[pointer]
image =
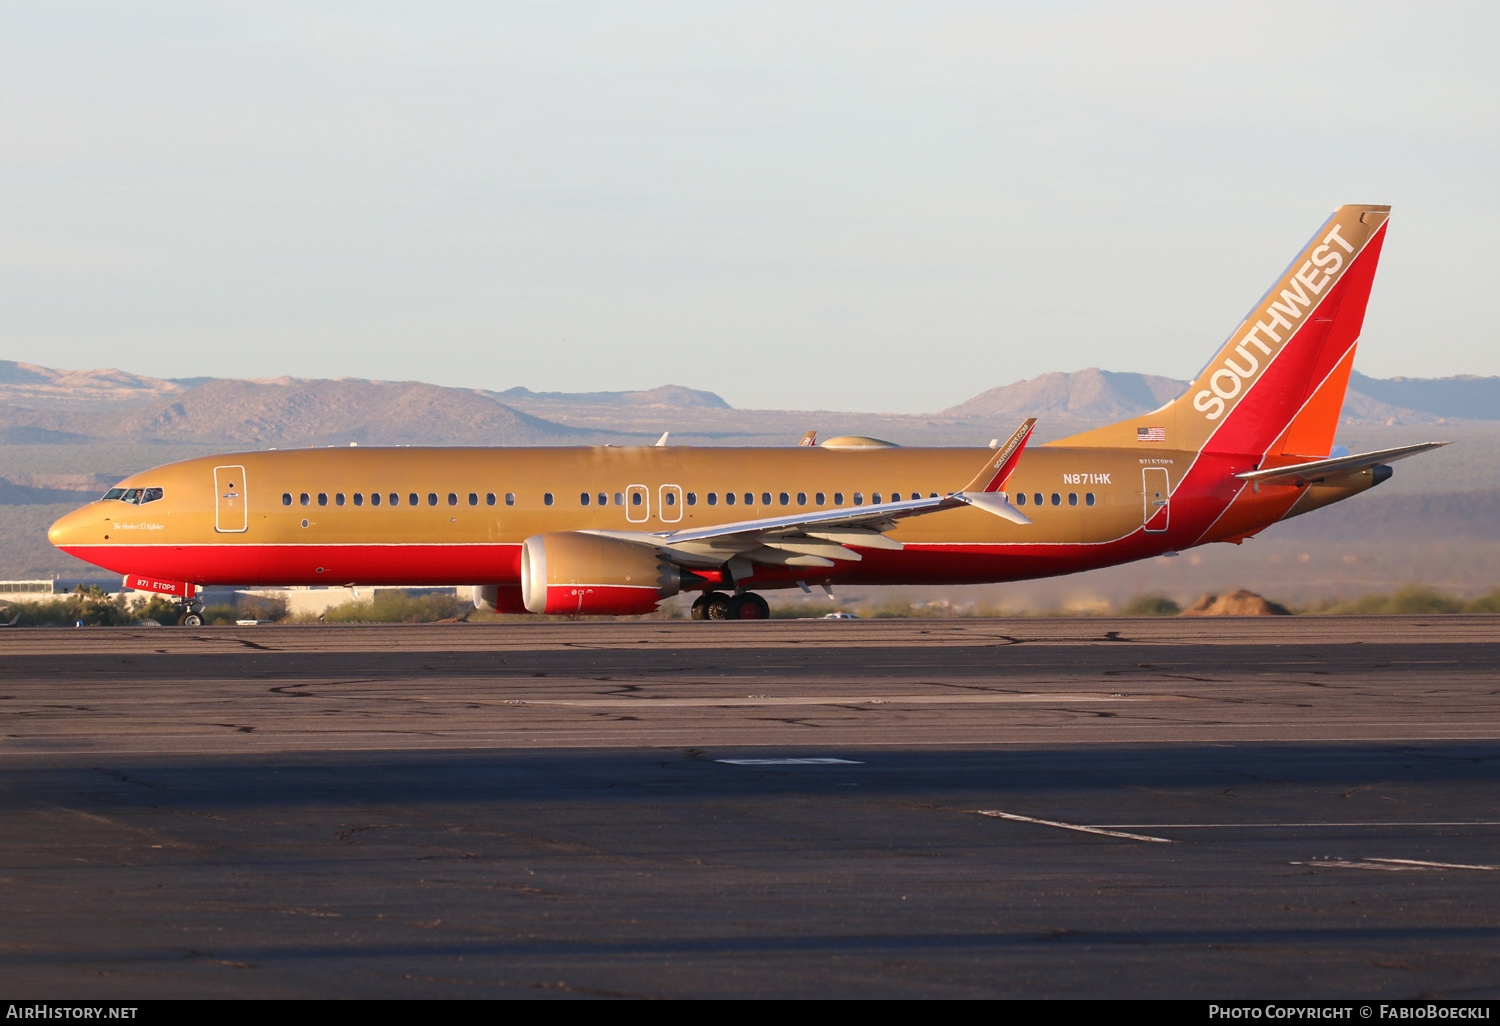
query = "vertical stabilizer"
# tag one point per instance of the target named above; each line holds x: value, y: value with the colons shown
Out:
x: 1277, y: 385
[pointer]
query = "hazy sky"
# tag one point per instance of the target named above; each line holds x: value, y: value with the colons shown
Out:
x: 877, y: 206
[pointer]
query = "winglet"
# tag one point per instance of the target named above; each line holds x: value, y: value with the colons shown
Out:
x: 811, y: 438
x: 1001, y: 462
x: 663, y: 439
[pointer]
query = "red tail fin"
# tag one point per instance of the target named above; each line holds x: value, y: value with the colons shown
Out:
x: 1278, y: 384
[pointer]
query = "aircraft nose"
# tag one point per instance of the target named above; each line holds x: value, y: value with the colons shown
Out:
x: 70, y: 527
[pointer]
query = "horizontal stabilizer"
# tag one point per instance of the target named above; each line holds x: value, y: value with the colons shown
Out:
x: 1305, y: 472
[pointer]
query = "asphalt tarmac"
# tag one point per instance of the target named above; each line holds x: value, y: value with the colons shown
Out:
x: 1279, y: 807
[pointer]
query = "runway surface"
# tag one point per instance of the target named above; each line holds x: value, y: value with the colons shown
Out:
x: 1268, y: 807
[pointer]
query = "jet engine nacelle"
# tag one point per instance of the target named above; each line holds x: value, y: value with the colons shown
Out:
x: 492, y: 598
x: 569, y: 572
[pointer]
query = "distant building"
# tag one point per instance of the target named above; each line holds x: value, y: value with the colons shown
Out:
x: 27, y: 591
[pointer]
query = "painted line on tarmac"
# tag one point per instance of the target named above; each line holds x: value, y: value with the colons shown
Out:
x: 1431, y: 865
x: 758, y: 700
x: 1390, y: 865
x: 997, y: 814
x: 1295, y: 826
x: 791, y: 762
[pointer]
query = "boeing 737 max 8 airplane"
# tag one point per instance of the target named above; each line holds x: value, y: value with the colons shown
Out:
x: 614, y: 530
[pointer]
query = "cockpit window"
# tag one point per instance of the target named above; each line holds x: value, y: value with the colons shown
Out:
x: 134, y: 496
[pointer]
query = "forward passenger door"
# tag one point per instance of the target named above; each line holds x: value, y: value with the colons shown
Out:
x: 230, y: 513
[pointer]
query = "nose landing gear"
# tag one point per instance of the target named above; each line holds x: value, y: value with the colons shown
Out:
x: 192, y: 613
x: 715, y: 605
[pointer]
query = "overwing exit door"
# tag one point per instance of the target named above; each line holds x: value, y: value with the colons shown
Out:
x: 230, y: 514
x: 1158, y: 493
x: 637, y: 503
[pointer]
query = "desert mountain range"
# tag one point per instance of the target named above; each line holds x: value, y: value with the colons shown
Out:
x: 97, y: 426
x: 42, y: 405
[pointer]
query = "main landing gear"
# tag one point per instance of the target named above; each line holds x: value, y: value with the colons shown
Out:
x: 715, y: 605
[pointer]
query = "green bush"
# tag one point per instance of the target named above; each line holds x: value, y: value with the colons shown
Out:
x: 801, y: 610
x: 156, y: 607
x: 399, y: 607
x: 220, y: 614
x: 88, y: 603
x: 1413, y: 599
x: 1150, y: 605
x: 259, y: 607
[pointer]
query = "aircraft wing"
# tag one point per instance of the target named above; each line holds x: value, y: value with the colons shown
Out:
x: 1305, y: 473
x: 819, y: 537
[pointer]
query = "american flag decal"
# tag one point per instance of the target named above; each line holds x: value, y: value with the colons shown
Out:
x: 1151, y: 434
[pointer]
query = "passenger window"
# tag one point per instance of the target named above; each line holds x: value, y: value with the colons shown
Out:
x: 489, y: 498
x: 619, y: 498
x: 859, y: 498
x: 432, y: 498
x: 838, y: 498
x: 729, y: 498
x: 338, y: 498
x: 671, y: 498
x: 395, y: 499
x: 1072, y: 498
x: 1056, y: 499
x: 374, y: 498
x: 510, y: 498
x: 802, y: 498
x: 692, y: 498
x: 583, y: 499
x: 786, y: 500
x: 359, y: 498
x: 874, y: 498
x: 635, y: 498
x: 1089, y: 499
x: 895, y: 496
x: 604, y: 498
x: 1037, y: 498
x: 820, y: 499
x: 322, y: 498
x: 413, y: 500
x: 452, y: 499
x: 546, y: 498
x: 473, y: 498
x: 304, y: 498
x: 750, y: 498
x: 1020, y: 498
x: 713, y: 498
x: 286, y: 498
x: 765, y: 498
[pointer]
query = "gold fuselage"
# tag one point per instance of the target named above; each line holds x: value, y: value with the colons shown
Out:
x: 285, y: 504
